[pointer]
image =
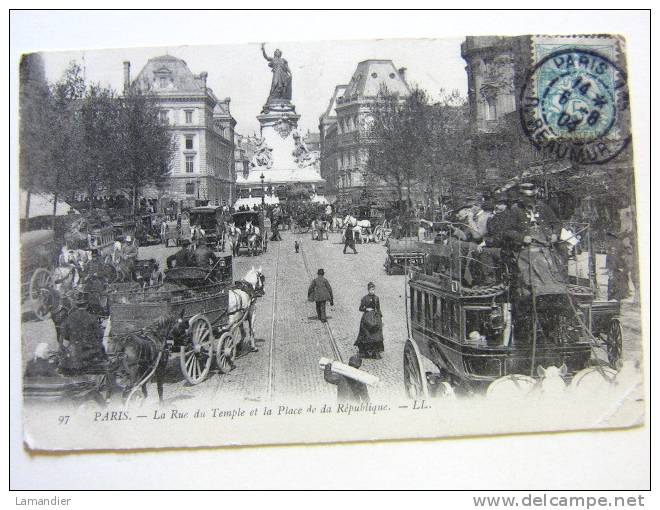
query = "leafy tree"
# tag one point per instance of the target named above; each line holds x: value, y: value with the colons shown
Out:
x: 34, y: 110
x: 413, y: 144
x: 397, y: 135
x: 99, y: 117
x: 64, y: 141
x: 449, y: 153
x: 146, y: 146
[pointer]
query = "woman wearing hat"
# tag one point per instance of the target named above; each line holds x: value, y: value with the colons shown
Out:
x: 370, y: 338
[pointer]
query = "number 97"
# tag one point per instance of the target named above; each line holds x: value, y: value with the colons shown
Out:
x: 63, y: 420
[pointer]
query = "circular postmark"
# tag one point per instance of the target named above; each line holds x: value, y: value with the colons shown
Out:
x: 575, y: 104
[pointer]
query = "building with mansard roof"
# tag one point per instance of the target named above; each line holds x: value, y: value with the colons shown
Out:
x: 328, y: 142
x: 371, y: 77
x: 203, y: 167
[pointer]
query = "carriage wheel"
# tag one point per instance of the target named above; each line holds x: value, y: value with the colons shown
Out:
x: 225, y: 352
x: 134, y: 399
x: 614, y: 343
x: 197, y: 354
x: 414, y: 378
x: 39, y: 292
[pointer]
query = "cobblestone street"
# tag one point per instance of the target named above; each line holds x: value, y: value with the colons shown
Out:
x: 290, y: 338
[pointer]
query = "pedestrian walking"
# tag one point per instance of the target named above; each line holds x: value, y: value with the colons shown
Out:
x: 349, y: 239
x: 348, y: 390
x: 296, y: 245
x: 320, y: 292
x: 370, y: 337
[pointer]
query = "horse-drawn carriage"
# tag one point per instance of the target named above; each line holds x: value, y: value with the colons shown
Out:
x: 178, y: 232
x: 402, y: 254
x: 124, y: 228
x: 201, y: 300
x: 211, y: 220
x: 148, y: 229
x: 38, y: 251
x: 247, y: 232
x: 478, y: 333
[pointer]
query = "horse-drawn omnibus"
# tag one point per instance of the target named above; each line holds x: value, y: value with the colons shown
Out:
x: 475, y: 332
x: 211, y: 220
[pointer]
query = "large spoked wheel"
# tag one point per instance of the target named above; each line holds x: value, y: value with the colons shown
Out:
x: 614, y: 343
x: 414, y: 378
x: 197, y: 354
x: 225, y: 352
x: 40, y: 284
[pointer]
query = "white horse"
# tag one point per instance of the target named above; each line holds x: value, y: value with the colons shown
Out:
x: 350, y: 220
x: 253, y: 235
x: 241, y: 309
x: 234, y: 237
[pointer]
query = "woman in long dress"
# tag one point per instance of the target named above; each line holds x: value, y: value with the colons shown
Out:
x: 370, y: 338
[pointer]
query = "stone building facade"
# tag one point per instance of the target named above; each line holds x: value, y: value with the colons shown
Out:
x: 352, y: 107
x: 328, y: 142
x: 203, y: 167
x: 497, y: 69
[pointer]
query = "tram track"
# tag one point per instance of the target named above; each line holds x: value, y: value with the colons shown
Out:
x: 331, y: 338
x: 271, y: 346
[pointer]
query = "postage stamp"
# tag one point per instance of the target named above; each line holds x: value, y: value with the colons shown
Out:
x: 575, y: 100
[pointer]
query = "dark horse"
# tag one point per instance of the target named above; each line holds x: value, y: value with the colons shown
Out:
x: 147, y: 351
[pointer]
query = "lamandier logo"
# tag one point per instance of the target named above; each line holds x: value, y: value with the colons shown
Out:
x: 574, y: 104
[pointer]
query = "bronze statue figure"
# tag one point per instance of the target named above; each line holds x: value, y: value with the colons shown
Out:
x: 280, y: 87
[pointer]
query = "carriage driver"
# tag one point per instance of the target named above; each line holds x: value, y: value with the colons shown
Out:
x: 204, y: 256
x: 82, y: 331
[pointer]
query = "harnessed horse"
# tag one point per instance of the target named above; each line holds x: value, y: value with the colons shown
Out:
x: 234, y: 236
x: 253, y: 235
x: 145, y: 353
x: 242, y: 299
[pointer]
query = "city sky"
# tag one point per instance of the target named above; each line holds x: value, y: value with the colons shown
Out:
x: 240, y: 71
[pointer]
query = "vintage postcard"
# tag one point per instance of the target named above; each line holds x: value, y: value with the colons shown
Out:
x: 327, y: 241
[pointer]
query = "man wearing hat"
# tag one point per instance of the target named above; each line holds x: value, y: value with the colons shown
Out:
x: 81, y: 329
x: 320, y: 291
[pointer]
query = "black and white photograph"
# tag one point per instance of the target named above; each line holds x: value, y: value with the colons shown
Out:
x: 325, y: 241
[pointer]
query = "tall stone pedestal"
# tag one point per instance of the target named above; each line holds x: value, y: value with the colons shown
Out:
x: 281, y: 157
x: 278, y: 122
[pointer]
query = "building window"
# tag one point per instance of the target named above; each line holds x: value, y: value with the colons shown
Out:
x: 190, y: 164
x: 492, y: 109
x: 189, y: 142
x: 188, y: 116
x: 162, y: 82
x: 190, y: 188
x: 163, y: 116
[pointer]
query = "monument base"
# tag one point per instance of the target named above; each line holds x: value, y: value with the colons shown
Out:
x: 281, y: 155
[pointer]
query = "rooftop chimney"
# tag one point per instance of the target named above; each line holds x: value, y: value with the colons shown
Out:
x: 402, y: 73
x: 203, y: 76
x: 127, y: 75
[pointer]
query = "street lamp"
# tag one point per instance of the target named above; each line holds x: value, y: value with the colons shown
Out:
x: 198, y: 186
x: 263, y: 191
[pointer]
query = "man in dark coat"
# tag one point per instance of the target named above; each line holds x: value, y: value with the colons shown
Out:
x: 348, y: 390
x: 349, y: 241
x: 320, y: 291
x: 81, y: 328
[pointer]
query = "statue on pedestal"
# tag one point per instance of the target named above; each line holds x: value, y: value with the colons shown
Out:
x: 280, y: 87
